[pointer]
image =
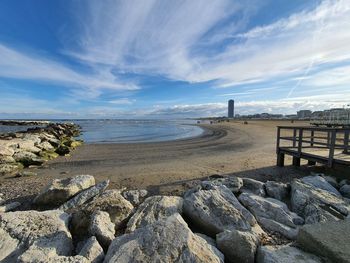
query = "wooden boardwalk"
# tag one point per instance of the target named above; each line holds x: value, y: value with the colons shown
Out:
x: 328, y: 146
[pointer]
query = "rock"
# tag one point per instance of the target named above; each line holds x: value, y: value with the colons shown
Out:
x: 135, y: 196
x: 31, y: 236
x: 112, y: 202
x: 215, y: 208
x: 28, y: 158
x: 304, y: 195
x: 63, y: 259
x: 208, y: 239
x: 233, y: 183
x: 345, y: 190
x: 253, y: 186
x: 154, y: 208
x: 344, y: 182
x: 92, y: 251
x: 238, y: 246
x: 9, y: 207
x: 330, y: 240
x: 277, y: 190
x: 102, y: 228
x: 315, y: 213
x: 85, y: 196
x: 60, y: 190
x: 25, y: 174
x: 274, y: 226
x: 321, y: 183
x: 7, y: 159
x: 284, y: 254
x: 75, y: 144
x: 48, y: 155
x: 63, y: 150
x: 6, y: 151
x: 168, y: 240
x: 9, y: 167
x: 45, y: 146
x: 270, y: 208
x: 331, y: 180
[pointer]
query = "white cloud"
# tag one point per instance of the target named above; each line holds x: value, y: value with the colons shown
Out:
x: 157, y: 37
x: 122, y: 101
x: 150, y: 36
x: 25, y: 65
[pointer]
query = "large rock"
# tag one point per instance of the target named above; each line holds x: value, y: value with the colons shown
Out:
x: 345, y: 190
x: 331, y: 180
x: 253, y: 186
x: 276, y: 227
x: 232, y: 182
x: 154, y: 208
x: 272, y: 214
x: 6, y: 151
x: 7, y: 159
x: 284, y: 254
x: 85, y: 196
x: 30, y: 236
x: 304, y: 196
x: 315, y: 213
x: 271, y: 209
x: 112, y: 202
x: 46, y: 146
x: 321, y: 183
x: 237, y: 246
x: 28, y: 158
x: 277, y: 190
x: 168, y: 240
x: 9, y: 167
x: 135, y: 196
x: 102, y: 228
x: 330, y: 240
x: 215, y: 209
x: 60, y: 190
x: 92, y: 251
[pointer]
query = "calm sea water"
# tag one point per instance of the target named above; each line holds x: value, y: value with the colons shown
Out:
x: 126, y: 131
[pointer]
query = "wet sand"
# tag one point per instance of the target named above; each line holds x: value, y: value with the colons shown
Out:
x: 224, y: 149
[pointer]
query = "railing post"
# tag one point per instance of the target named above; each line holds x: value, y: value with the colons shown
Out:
x: 328, y: 138
x: 346, y: 142
x: 300, y: 143
x: 312, y: 138
x: 278, y: 139
x: 294, y: 137
x: 331, y: 149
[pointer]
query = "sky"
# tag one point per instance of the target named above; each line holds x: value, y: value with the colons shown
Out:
x: 179, y: 58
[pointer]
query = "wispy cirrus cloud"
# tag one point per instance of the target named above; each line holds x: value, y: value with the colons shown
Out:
x: 30, y: 66
x: 148, y: 41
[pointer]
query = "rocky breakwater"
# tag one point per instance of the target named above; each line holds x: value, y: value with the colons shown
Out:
x: 36, y: 145
x: 218, y: 220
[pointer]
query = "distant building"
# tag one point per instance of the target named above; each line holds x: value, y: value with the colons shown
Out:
x: 231, y: 109
x: 303, y: 114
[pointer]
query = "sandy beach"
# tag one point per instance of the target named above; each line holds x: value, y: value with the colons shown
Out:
x: 234, y: 148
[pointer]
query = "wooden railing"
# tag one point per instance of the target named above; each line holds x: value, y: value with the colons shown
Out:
x: 308, y: 143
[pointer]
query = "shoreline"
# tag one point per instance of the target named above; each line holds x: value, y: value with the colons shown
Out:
x: 167, y: 167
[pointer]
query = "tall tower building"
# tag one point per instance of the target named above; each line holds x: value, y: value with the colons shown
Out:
x: 231, y: 109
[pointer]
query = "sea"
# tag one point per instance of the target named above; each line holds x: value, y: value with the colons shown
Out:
x: 128, y: 131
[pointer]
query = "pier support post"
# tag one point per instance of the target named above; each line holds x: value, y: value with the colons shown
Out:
x: 346, y: 142
x: 296, y: 161
x: 280, y: 159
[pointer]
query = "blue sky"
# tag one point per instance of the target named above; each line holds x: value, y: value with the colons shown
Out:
x: 155, y: 58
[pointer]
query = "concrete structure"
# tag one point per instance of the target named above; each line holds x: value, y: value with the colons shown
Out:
x: 231, y: 109
x: 302, y: 114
